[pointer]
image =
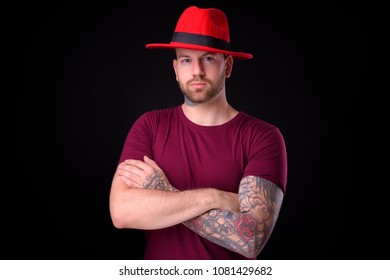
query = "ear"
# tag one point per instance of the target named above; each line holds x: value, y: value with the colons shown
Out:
x: 174, y: 64
x: 228, y: 66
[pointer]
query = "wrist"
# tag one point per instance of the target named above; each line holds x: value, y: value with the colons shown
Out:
x: 212, y: 198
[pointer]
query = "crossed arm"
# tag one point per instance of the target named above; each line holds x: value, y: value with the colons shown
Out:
x: 142, y: 197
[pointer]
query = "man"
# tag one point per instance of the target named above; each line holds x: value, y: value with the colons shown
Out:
x: 204, y: 180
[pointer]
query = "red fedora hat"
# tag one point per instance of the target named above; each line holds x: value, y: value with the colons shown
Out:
x: 202, y: 29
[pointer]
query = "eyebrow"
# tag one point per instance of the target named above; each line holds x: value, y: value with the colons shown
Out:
x: 205, y: 54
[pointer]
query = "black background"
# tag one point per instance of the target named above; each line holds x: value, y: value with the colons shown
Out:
x: 87, y: 76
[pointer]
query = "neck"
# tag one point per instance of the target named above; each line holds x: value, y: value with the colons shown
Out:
x: 216, y: 112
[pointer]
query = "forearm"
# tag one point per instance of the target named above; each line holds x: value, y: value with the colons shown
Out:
x: 236, y: 231
x: 154, y: 209
x: 245, y: 231
x: 231, y: 230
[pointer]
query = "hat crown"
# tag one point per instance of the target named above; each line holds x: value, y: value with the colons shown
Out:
x: 200, y: 29
x: 209, y: 22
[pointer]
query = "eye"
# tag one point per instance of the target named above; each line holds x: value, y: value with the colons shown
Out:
x: 185, y: 60
x: 208, y: 59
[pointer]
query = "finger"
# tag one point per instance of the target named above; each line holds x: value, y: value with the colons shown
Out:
x: 133, y: 173
x: 130, y: 174
x: 151, y: 162
x: 130, y: 183
x: 122, y: 168
x: 139, y: 164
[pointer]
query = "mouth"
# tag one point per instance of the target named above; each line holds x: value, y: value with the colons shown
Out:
x: 198, y: 85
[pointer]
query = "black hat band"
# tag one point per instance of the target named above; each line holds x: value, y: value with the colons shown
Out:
x: 203, y: 40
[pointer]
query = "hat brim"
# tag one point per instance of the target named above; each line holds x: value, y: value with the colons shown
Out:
x: 174, y: 45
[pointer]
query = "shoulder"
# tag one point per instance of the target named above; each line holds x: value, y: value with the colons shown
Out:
x: 258, y: 127
x: 155, y: 119
x: 158, y: 114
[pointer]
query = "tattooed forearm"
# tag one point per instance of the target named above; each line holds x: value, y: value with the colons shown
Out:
x: 244, y: 232
x: 220, y: 227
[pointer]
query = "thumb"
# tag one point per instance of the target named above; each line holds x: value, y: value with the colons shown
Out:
x: 151, y: 162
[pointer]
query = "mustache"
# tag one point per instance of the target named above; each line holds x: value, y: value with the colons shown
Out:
x: 198, y: 80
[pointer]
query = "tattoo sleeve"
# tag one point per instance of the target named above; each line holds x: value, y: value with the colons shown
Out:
x: 244, y: 232
x: 247, y: 231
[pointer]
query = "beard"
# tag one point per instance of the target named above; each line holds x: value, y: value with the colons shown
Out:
x: 199, y: 96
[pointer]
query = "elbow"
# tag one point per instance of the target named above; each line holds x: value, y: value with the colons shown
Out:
x: 254, y: 247
x: 122, y: 213
x: 117, y: 223
x: 252, y: 252
x: 119, y: 219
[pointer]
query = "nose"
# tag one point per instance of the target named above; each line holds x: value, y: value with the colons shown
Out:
x: 198, y: 68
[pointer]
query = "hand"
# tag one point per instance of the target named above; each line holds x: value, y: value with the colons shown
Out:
x: 143, y: 174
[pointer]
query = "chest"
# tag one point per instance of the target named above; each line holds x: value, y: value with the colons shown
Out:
x: 193, y: 159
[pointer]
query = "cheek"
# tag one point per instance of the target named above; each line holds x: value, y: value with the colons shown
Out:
x: 183, y: 77
x: 175, y: 69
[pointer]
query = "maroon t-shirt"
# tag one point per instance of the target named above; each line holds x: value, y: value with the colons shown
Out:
x: 194, y: 156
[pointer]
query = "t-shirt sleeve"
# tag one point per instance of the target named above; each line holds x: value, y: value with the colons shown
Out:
x: 139, y: 139
x: 267, y: 157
